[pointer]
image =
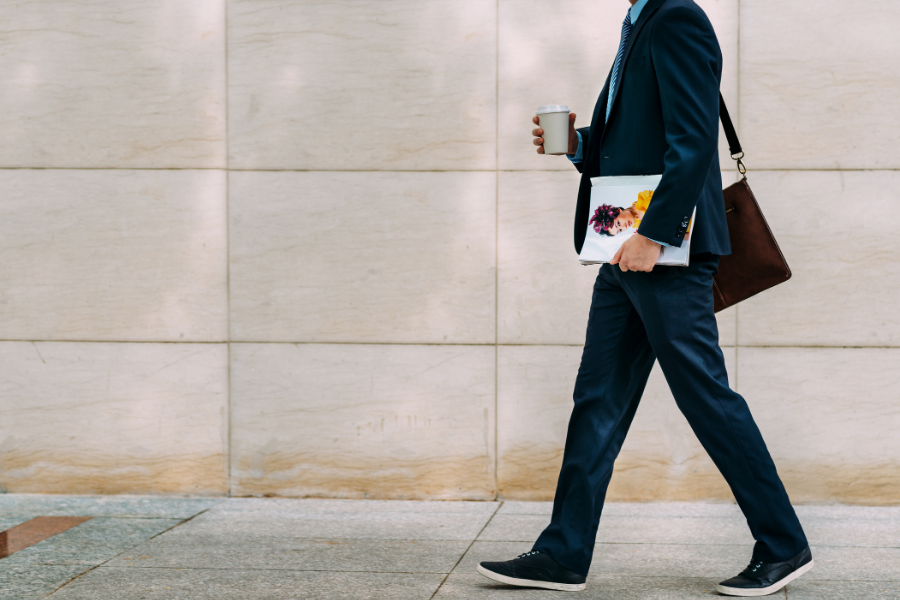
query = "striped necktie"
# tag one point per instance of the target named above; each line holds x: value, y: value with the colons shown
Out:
x: 626, y: 30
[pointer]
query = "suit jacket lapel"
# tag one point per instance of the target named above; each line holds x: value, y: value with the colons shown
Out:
x: 635, y: 32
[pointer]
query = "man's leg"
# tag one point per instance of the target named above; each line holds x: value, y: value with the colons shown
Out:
x: 681, y: 328
x: 615, y: 365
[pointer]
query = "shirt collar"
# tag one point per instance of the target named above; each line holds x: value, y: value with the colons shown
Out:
x: 636, y: 10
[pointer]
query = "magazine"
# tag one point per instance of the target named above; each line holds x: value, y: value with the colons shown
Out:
x: 617, y: 206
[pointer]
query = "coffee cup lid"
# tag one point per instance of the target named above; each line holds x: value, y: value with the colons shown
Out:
x: 552, y: 108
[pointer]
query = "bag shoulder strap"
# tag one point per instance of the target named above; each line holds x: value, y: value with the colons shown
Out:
x: 734, y: 144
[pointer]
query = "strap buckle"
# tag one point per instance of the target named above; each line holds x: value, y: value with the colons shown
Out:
x: 740, y: 164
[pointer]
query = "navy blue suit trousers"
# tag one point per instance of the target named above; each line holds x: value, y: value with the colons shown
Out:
x: 635, y: 319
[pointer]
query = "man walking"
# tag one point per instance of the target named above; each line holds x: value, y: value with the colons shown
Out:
x: 658, y: 113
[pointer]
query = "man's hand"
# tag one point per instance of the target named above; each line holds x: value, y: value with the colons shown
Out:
x: 637, y: 254
x: 539, y: 141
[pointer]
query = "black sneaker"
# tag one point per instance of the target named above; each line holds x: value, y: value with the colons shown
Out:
x: 762, y: 579
x: 533, y: 569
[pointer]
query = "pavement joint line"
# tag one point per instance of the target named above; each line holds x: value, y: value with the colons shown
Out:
x: 164, y: 518
x: 381, y: 170
x: 593, y: 575
x: 464, y: 541
x: 469, y: 547
x: 274, y: 569
x: 813, y: 546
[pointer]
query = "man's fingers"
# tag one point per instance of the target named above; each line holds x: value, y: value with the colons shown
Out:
x: 538, y: 141
x: 540, y: 149
x: 537, y: 132
x: 535, y: 120
x: 617, y: 257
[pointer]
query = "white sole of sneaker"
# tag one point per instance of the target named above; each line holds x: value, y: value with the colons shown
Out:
x: 547, y: 585
x: 730, y: 591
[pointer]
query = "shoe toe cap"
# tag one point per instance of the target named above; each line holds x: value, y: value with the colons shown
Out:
x: 739, y: 582
x: 495, y: 567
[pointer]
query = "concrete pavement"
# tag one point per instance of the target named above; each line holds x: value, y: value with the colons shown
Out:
x: 154, y: 548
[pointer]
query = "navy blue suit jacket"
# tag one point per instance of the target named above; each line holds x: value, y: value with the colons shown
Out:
x: 664, y: 119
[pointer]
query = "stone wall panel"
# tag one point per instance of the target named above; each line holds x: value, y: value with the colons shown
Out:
x: 363, y: 421
x: 101, y: 418
x: 112, y: 84
x: 830, y: 418
x: 407, y: 84
x: 113, y: 255
x: 362, y: 257
x: 836, y: 230
x: 816, y: 95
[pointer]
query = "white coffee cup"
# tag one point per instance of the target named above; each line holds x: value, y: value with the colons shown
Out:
x: 554, y: 120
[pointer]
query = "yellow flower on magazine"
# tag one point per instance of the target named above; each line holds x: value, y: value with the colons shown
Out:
x: 641, y: 205
x: 643, y: 200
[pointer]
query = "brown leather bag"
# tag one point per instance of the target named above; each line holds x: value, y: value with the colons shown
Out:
x: 756, y: 262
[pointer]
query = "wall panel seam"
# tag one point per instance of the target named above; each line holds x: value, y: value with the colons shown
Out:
x: 497, y: 170
x: 496, y: 244
x: 470, y: 344
x: 228, y: 403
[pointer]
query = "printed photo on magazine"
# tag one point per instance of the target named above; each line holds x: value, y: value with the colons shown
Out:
x: 617, y: 206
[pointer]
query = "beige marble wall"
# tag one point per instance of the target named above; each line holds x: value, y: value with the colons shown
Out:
x: 113, y: 255
x: 821, y: 95
x: 362, y: 257
x: 112, y: 83
x: 365, y: 85
x: 282, y: 247
x: 363, y: 421
x: 108, y: 418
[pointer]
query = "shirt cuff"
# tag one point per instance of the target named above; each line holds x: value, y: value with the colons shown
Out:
x: 661, y: 243
x: 579, y: 154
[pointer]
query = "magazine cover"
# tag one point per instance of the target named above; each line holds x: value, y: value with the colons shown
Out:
x: 617, y: 206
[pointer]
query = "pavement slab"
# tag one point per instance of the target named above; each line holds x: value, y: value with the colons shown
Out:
x: 27, y: 582
x: 465, y: 587
x: 871, y: 533
x: 634, y: 509
x: 114, y: 583
x: 10, y: 522
x: 855, y: 564
x: 118, y: 523
x: 227, y: 551
x: 401, y: 521
x: 91, y: 543
x: 630, y: 529
x: 803, y: 589
x: 292, y: 507
x: 51, y: 505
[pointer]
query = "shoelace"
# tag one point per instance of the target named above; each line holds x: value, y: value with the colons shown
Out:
x: 527, y: 554
x: 753, y: 567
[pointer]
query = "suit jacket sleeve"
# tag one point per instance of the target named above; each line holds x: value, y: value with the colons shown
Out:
x: 688, y: 65
x: 585, y: 132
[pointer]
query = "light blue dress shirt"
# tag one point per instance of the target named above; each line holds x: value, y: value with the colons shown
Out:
x: 578, y: 157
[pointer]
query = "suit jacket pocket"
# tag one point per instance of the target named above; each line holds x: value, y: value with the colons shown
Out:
x: 637, y: 61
